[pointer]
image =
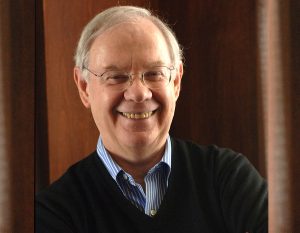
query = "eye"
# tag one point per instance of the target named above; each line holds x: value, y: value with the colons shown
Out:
x: 154, y: 75
x: 113, y: 78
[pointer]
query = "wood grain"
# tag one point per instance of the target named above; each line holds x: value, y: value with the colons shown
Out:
x: 17, y: 52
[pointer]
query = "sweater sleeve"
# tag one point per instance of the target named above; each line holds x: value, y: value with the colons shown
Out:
x: 243, y: 194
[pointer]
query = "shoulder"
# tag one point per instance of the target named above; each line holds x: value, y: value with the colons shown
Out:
x: 61, y: 205
x: 77, y: 176
x: 207, y: 155
x: 241, y: 192
x: 217, y: 164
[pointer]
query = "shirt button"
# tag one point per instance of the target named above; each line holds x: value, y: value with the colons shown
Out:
x: 152, y: 212
x: 125, y: 177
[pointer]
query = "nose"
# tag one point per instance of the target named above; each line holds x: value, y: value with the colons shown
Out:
x: 137, y: 91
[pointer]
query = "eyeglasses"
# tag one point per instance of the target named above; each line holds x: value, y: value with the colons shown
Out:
x: 154, y: 78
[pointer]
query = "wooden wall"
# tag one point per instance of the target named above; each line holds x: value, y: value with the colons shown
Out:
x: 17, y: 70
x: 219, y: 101
x: 279, y: 23
x: 294, y: 85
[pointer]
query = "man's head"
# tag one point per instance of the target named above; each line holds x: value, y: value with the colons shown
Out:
x: 117, y: 15
x: 128, y: 71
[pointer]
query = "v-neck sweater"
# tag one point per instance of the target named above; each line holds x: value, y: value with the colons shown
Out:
x: 210, y: 189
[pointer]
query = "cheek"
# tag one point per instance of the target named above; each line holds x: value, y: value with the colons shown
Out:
x: 172, y: 104
x: 97, y: 104
x: 168, y: 101
x: 103, y: 102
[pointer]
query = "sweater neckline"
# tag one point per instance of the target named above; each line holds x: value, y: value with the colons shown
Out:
x: 126, y: 205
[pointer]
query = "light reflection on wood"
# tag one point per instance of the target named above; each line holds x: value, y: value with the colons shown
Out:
x: 274, y: 53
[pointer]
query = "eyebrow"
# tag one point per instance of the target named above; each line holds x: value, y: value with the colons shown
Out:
x: 111, y: 67
x: 156, y: 63
x: 148, y: 65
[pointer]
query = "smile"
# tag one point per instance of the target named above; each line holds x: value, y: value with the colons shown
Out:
x: 143, y: 115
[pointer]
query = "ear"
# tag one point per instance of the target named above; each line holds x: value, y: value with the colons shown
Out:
x: 177, y: 80
x: 82, y: 86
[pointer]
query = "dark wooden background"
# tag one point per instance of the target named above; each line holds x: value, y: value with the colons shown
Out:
x: 17, y: 64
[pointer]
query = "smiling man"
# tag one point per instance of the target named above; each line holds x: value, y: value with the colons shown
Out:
x: 128, y: 73
x: 131, y: 86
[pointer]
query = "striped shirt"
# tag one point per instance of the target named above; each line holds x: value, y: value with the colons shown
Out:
x: 156, y: 180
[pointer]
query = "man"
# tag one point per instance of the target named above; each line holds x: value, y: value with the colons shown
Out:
x: 128, y: 72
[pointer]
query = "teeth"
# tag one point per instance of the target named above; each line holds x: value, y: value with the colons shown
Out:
x: 143, y: 115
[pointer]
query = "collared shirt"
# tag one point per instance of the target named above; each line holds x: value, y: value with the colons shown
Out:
x: 156, y: 180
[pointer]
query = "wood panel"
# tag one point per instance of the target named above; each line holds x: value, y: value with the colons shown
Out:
x: 5, y: 175
x: 41, y: 129
x: 17, y: 52
x: 275, y: 83
x: 218, y: 103
x: 280, y: 55
x: 22, y: 113
x: 294, y: 9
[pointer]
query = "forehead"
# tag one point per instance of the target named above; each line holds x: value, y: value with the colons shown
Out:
x: 129, y: 43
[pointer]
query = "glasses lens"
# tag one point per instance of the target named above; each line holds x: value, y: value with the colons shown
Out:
x: 115, y: 79
x: 157, y: 77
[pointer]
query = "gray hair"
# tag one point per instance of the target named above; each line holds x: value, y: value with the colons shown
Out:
x: 114, y: 16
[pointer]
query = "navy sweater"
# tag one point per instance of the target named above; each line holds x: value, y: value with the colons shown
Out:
x: 211, y: 190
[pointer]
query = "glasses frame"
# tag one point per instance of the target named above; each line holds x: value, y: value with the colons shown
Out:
x: 130, y: 75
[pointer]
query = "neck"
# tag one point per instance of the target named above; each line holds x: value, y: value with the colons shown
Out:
x: 138, y: 166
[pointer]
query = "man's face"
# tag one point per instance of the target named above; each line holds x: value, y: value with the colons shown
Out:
x: 134, y: 48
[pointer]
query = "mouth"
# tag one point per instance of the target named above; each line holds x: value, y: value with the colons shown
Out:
x: 141, y: 115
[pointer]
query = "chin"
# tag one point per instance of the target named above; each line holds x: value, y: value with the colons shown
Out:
x: 138, y: 139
